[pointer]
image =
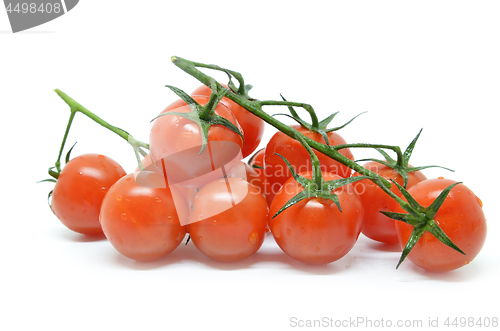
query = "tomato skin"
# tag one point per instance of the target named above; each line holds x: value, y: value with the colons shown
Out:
x: 314, y: 231
x: 461, y: 217
x: 178, y: 140
x: 376, y: 225
x: 80, y: 189
x: 276, y: 170
x: 236, y: 233
x: 141, y: 223
x: 258, y: 177
x: 253, y: 126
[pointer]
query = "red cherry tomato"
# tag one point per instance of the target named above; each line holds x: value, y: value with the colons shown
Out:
x: 376, y: 225
x: 461, y: 217
x: 178, y: 141
x: 80, y: 189
x: 276, y: 170
x: 313, y: 230
x: 253, y: 126
x: 142, y: 223
x: 228, y: 226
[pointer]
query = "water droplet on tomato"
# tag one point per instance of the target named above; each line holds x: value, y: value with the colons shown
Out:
x: 289, y: 232
x: 101, y: 156
x: 187, y: 134
x: 479, y: 201
x: 254, y: 238
x: 157, y: 199
x: 124, y: 216
x: 119, y: 198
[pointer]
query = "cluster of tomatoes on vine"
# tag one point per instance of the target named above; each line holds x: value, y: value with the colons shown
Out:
x: 191, y: 179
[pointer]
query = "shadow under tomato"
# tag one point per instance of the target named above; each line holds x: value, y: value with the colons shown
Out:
x: 464, y: 274
x: 384, y: 247
x: 181, y: 254
x: 82, y: 238
x: 269, y: 255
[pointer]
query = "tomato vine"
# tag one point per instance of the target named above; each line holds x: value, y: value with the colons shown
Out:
x: 420, y: 218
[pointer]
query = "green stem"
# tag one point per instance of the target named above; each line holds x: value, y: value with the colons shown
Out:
x: 70, y: 121
x: 255, y: 107
x: 395, y: 149
x: 75, y: 107
x: 307, y: 107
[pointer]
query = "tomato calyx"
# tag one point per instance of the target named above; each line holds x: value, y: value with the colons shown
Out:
x: 401, y: 165
x: 204, y: 116
x: 316, y: 187
x: 317, y: 126
x: 422, y: 220
x: 243, y: 88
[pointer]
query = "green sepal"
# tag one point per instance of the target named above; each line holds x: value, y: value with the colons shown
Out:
x: 423, y: 220
x: 297, y: 198
x: 299, y: 179
x: 193, y: 116
x: 324, y: 123
x: 343, y: 126
x: 438, y: 202
x: 336, y: 183
x: 442, y: 236
x: 207, y: 111
x: 67, y: 158
x: 311, y: 189
x: 219, y: 120
x: 51, y: 180
x: 413, y: 203
x: 296, y: 119
x: 417, y: 232
x: 406, y: 218
x: 52, y: 173
x: 321, y: 127
x: 195, y: 106
x: 402, y: 166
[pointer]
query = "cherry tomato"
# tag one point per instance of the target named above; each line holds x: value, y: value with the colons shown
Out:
x: 376, y: 225
x: 228, y: 225
x: 461, y: 217
x: 80, y: 189
x: 143, y: 223
x: 178, y: 141
x: 276, y: 170
x: 313, y: 230
x: 253, y: 126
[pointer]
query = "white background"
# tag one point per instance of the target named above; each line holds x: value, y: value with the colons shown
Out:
x: 411, y: 65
